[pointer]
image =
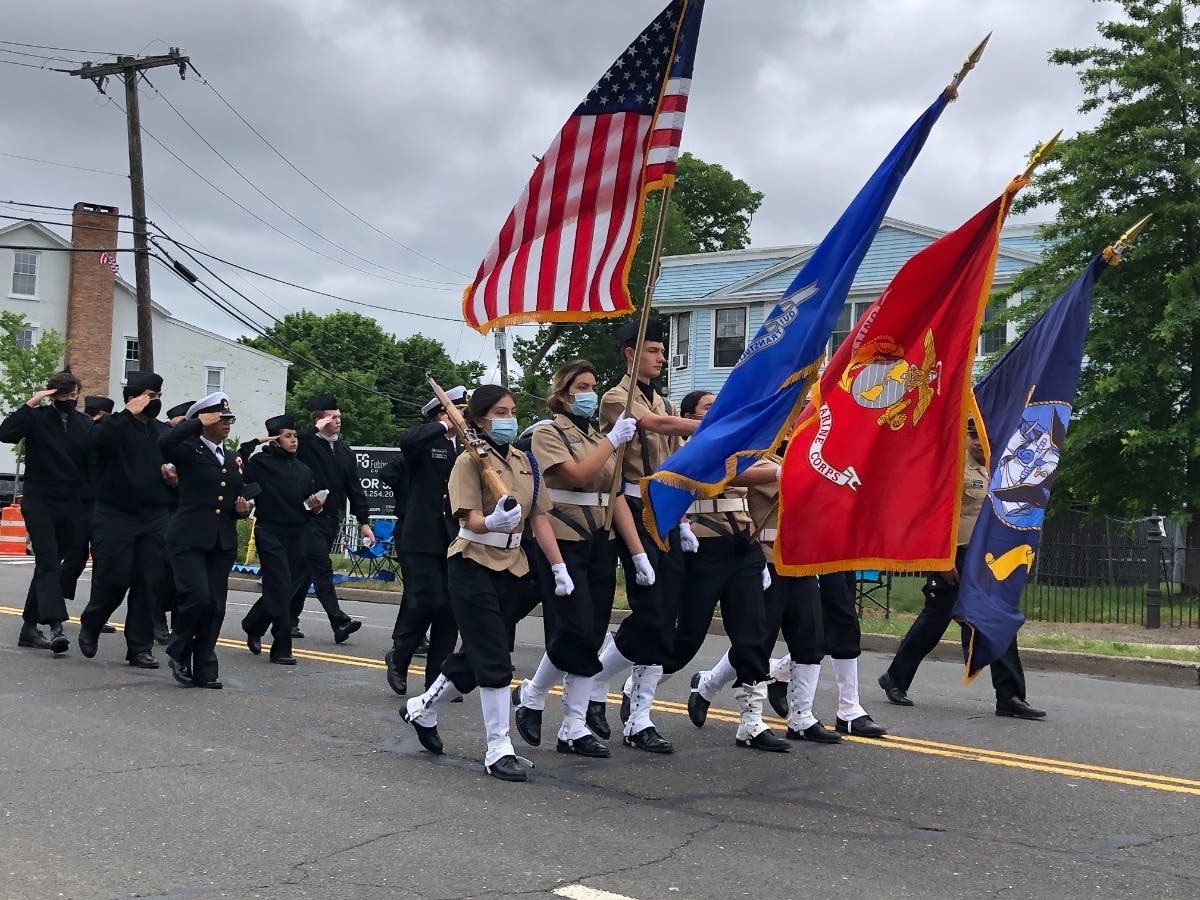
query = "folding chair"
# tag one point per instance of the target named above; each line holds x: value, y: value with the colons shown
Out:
x: 868, y: 585
x: 374, y: 561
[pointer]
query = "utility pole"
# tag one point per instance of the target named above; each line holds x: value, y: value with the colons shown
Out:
x: 502, y: 354
x: 129, y: 68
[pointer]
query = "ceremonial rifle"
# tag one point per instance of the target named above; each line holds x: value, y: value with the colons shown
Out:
x: 475, y: 445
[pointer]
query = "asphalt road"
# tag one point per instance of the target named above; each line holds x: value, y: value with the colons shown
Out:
x: 302, y: 782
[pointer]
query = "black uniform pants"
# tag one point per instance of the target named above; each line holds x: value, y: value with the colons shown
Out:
x: 1008, y: 676
x: 826, y: 623
x: 202, y: 582
x: 425, y: 607
x: 51, y: 526
x: 575, y: 625
x: 128, y: 550
x: 729, y: 571
x: 75, y: 560
x: 793, y: 607
x: 484, y: 603
x: 281, y: 553
x: 647, y: 635
x: 318, y: 542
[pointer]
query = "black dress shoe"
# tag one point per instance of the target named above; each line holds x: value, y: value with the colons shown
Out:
x: 343, y: 631
x: 817, y: 733
x: 395, y: 678
x: 650, y: 740
x: 584, y: 746
x: 697, y: 705
x: 529, y: 721
x: 426, y: 734
x: 863, y: 726
x: 253, y: 644
x: 768, y: 741
x: 422, y: 648
x: 284, y: 660
x: 777, y: 697
x: 893, y: 691
x: 597, y: 721
x: 507, y: 768
x: 1016, y: 708
x: 107, y: 629
x: 297, y: 633
x: 58, y: 641
x: 31, y: 636
x: 143, y: 660
x: 214, y: 685
x: 87, y: 642
x: 181, y: 672
x: 625, y: 702
x: 161, y: 634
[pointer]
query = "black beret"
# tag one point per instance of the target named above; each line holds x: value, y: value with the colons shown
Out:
x: 98, y: 404
x: 321, y: 403
x: 180, y: 409
x: 276, y: 424
x: 137, y: 382
x: 627, y: 333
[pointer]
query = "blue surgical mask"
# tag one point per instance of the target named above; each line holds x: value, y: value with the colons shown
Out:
x: 584, y: 405
x: 503, y: 430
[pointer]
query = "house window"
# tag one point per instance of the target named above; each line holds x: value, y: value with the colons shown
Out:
x: 849, y: 316
x: 215, y: 380
x: 131, y: 356
x: 25, y: 338
x: 683, y: 340
x: 993, y: 339
x: 729, y: 337
x: 24, y: 279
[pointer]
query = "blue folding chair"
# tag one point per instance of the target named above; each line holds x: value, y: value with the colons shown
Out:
x: 376, y: 561
x: 869, y: 584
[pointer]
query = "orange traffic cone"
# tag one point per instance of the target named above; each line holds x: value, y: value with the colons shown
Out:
x: 12, y: 531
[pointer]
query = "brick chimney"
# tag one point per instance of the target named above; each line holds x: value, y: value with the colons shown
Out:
x: 90, y: 291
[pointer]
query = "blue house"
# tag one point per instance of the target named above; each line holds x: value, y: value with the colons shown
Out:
x: 715, y: 302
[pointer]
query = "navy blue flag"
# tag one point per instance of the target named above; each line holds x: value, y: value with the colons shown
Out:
x: 1025, y: 403
x: 769, y: 385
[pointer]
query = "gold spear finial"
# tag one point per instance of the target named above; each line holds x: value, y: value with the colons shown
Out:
x: 1040, y: 156
x: 1112, y: 254
x: 967, y: 66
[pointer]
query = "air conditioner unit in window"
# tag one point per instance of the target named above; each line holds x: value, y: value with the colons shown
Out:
x: 679, y: 361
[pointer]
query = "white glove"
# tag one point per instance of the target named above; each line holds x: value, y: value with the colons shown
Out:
x: 563, y: 585
x: 688, y: 539
x: 502, y: 519
x: 766, y: 577
x: 622, y: 431
x: 645, y: 572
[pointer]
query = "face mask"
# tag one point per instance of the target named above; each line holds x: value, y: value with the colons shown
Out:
x: 153, y: 408
x: 584, y: 405
x: 65, y: 406
x: 503, y: 431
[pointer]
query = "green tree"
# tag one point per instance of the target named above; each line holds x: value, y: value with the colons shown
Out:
x: 25, y: 370
x: 1135, y: 438
x: 710, y: 210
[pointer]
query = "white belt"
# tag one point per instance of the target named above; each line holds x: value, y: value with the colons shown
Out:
x: 491, y: 538
x: 767, y: 535
x: 632, y: 489
x: 724, y: 504
x: 577, y: 498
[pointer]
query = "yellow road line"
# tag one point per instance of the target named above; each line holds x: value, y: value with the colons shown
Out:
x: 1149, y: 780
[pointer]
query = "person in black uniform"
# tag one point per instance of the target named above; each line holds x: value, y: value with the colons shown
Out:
x: 164, y: 602
x: 56, y: 446
x: 202, y: 538
x: 130, y: 524
x: 427, y: 530
x: 288, y: 498
x: 332, y: 462
x: 73, y: 564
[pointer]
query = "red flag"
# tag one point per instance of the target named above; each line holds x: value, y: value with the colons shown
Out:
x: 872, y: 478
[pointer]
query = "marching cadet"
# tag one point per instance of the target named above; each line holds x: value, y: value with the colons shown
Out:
x: 577, y: 464
x: 73, y: 564
x: 287, y: 499
x: 428, y: 527
x: 202, y: 538
x: 645, y: 639
x: 484, y: 566
x: 165, y: 601
x: 332, y: 464
x: 128, y: 533
x: 56, y: 439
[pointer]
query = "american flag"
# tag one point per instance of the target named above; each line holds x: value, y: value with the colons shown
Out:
x: 563, y: 254
x: 110, y: 260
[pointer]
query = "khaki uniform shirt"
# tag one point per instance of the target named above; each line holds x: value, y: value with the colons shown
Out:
x: 724, y: 523
x: 563, y: 441
x: 764, y: 508
x: 975, y: 490
x: 647, y: 451
x: 467, y: 491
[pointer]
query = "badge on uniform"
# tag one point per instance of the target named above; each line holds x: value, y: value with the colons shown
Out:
x: 439, y: 453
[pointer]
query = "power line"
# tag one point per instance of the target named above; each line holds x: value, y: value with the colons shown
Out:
x: 64, y: 166
x: 13, y: 62
x: 62, y: 49
x: 318, y: 187
x: 40, y: 56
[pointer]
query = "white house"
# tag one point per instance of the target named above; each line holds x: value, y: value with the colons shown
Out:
x: 69, y: 292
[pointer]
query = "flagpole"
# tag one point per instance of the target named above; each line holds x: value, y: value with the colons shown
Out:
x: 968, y: 64
x: 643, y: 321
x: 1112, y: 253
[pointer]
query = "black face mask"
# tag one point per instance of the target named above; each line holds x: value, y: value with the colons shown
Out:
x: 153, y: 408
x: 66, y: 406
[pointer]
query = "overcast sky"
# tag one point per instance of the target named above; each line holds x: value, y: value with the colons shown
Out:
x: 421, y: 117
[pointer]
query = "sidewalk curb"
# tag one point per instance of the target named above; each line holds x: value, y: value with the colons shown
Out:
x: 1170, y: 672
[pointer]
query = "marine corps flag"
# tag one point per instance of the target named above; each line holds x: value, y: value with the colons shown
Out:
x: 1025, y: 405
x: 873, y: 473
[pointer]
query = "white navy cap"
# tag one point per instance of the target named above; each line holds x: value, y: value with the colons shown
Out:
x: 218, y: 402
x: 534, y: 427
x: 457, y: 394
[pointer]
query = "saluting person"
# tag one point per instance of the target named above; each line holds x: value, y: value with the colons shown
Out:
x: 202, y: 537
x: 73, y: 564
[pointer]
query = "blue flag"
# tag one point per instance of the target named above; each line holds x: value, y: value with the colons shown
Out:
x: 769, y: 386
x: 1025, y: 403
